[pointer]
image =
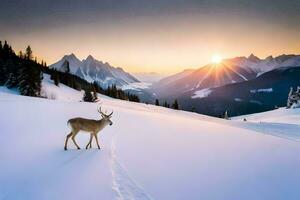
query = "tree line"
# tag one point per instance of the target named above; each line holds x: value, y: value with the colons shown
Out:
x: 174, y: 105
x: 90, y: 89
x: 21, y: 72
x: 24, y: 73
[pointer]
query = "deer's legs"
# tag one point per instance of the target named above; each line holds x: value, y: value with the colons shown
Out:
x: 73, y: 139
x: 90, y: 142
x: 67, y: 138
x: 97, y: 141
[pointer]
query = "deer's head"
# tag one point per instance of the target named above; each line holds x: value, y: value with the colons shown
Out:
x: 106, y: 117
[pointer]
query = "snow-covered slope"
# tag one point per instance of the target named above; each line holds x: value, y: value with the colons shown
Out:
x: 92, y: 70
x: 150, y: 152
x: 281, y: 115
x: 282, y: 122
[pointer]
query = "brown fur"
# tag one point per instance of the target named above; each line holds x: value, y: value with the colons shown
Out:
x: 88, y: 125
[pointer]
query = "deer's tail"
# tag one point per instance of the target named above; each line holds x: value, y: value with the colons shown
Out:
x: 68, y: 123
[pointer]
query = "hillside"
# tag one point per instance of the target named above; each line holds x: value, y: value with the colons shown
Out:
x: 263, y: 93
x: 149, y: 153
x: 280, y: 122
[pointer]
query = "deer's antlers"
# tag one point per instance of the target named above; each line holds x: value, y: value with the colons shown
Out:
x: 109, y: 115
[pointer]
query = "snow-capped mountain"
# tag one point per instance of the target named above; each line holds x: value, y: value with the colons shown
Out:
x: 92, y: 70
x: 264, y: 65
x: 211, y: 75
x: 74, y: 63
x: 265, y: 92
x: 230, y: 71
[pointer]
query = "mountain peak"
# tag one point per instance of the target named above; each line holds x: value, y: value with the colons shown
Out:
x: 253, y: 58
x: 70, y: 56
x: 269, y: 58
x: 90, y: 57
x: 92, y: 70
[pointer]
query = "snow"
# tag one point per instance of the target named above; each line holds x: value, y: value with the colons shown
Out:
x: 266, y: 90
x: 136, y: 86
x: 282, y: 122
x: 261, y: 66
x: 294, y: 61
x: 150, y: 152
x: 296, y: 105
x: 238, y: 99
x: 74, y: 63
x: 93, y: 70
x: 243, y: 77
x: 202, y: 93
x: 255, y: 102
x: 61, y: 92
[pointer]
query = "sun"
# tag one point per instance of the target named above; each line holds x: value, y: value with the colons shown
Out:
x: 216, y: 59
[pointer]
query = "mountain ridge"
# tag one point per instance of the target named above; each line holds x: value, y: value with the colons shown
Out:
x: 92, y: 70
x: 237, y: 69
x: 265, y: 92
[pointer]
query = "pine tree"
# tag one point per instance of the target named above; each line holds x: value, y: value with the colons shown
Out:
x: 28, y: 54
x: 157, y: 102
x: 298, y: 91
x: 30, y: 80
x: 12, y: 81
x: 95, y: 96
x: 77, y: 86
x: 193, y: 109
x: 21, y: 54
x: 226, y: 115
x: 11, y: 71
x: 55, y: 77
x: 70, y: 80
x: 289, y: 101
x: 88, y: 97
x: 5, y: 51
x: 1, y: 52
x: 166, y: 104
x: 6, y: 46
x: 94, y: 87
x: 175, y: 105
x: 3, y: 73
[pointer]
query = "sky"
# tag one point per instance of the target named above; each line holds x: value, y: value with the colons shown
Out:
x: 164, y: 36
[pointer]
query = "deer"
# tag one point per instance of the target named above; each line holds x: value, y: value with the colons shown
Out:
x: 88, y: 125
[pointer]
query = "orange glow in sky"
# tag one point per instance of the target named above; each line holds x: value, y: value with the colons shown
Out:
x: 166, y: 47
x: 216, y: 58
